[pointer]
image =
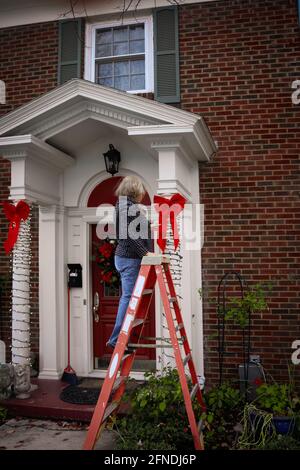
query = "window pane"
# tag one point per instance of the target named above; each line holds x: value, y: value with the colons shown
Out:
x: 121, y: 48
x: 122, y: 68
x: 106, y: 81
x: 137, y: 66
x: 104, y: 36
x: 105, y: 69
x: 122, y: 83
x: 137, y: 46
x: 103, y: 50
x: 136, y: 32
x: 121, y: 34
x: 137, y: 82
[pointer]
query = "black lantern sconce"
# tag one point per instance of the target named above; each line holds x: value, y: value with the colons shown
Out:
x: 112, y: 159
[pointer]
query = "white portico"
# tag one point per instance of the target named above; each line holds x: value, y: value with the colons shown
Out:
x: 55, y: 144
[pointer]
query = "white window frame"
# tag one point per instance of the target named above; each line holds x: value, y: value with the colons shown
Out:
x: 90, y: 35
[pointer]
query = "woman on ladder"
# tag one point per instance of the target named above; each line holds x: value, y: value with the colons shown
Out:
x: 132, y: 245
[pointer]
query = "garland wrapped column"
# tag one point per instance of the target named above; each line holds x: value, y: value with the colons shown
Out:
x: 169, y: 236
x: 19, y: 241
x: 21, y: 296
x: 167, y: 357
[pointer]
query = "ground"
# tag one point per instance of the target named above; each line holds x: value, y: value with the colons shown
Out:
x: 38, y: 434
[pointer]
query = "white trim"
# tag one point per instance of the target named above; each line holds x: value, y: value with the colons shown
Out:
x: 15, y: 13
x: 20, y: 145
x: 76, y: 88
x: 90, y: 34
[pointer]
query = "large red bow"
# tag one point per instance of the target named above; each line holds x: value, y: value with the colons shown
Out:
x: 14, y: 214
x: 164, y: 207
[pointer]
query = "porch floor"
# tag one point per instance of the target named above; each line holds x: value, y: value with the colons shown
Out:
x: 45, y: 403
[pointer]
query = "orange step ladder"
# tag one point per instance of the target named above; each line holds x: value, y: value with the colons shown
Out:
x: 153, y: 269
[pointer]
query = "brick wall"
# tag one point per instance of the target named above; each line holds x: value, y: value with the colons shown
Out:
x: 238, y: 60
x: 28, y: 65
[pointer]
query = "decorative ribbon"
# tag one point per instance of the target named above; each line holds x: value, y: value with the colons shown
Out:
x: 14, y: 214
x: 164, y: 207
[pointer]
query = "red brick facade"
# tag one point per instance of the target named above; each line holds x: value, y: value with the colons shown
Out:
x: 238, y: 59
x: 28, y: 65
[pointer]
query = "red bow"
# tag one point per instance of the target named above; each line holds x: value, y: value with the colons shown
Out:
x: 164, y: 206
x: 14, y: 214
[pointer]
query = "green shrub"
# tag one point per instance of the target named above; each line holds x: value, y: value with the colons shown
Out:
x: 224, y: 403
x: 158, y: 420
x: 3, y: 414
x: 279, y: 399
x: 282, y: 443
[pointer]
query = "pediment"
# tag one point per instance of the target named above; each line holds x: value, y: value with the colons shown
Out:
x: 77, y: 100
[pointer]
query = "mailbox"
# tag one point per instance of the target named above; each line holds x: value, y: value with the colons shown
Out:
x: 75, y: 275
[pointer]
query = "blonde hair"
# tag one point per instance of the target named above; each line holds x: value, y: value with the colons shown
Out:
x: 131, y: 186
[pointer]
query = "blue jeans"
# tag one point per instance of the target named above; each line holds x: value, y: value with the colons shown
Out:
x: 129, y: 269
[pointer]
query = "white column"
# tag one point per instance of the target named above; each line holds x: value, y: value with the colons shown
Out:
x: 52, y: 292
x: 173, y: 178
x: 21, y: 296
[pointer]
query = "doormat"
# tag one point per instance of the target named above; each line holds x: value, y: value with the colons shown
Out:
x: 80, y: 395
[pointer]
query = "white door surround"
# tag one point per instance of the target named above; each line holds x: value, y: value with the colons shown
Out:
x: 55, y: 144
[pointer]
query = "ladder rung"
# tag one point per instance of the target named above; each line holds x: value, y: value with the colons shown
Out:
x: 172, y: 299
x: 155, y: 259
x: 137, y: 321
x: 179, y: 327
x: 120, y: 380
x: 149, y: 346
x: 147, y: 291
x: 187, y: 358
x: 109, y: 410
x: 159, y: 338
x: 194, y: 391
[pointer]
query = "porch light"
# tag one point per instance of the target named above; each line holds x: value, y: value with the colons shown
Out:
x: 112, y: 159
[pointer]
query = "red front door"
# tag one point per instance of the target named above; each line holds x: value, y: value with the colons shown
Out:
x: 105, y: 298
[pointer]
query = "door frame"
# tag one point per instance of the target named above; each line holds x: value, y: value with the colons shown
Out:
x: 87, y: 221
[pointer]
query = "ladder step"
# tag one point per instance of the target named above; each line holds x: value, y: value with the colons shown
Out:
x: 149, y: 346
x: 120, y: 380
x: 152, y: 267
x: 109, y: 410
x: 179, y: 327
x: 137, y: 321
x: 194, y: 391
x: 147, y: 291
x: 187, y: 358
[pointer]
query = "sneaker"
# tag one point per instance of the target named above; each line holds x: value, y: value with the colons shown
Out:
x: 110, y: 346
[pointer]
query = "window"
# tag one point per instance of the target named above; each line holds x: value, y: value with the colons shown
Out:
x: 122, y: 55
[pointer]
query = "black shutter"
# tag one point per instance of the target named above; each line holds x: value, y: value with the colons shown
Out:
x: 166, y: 55
x: 70, y: 45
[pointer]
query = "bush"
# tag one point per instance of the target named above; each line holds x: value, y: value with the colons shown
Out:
x: 3, y: 414
x: 224, y: 403
x: 158, y: 420
x: 279, y: 399
x: 282, y: 443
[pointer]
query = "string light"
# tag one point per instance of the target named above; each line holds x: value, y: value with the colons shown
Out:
x: 167, y: 355
x: 21, y: 261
